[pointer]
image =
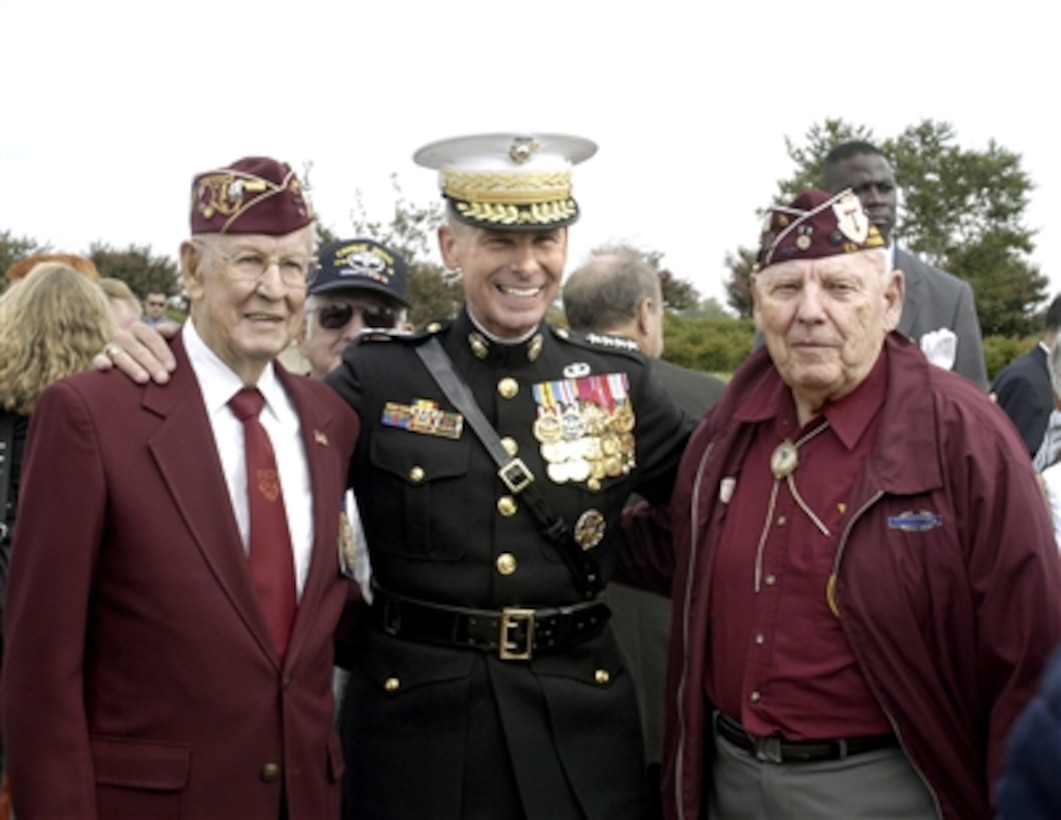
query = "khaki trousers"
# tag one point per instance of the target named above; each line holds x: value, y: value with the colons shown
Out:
x: 877, y: 784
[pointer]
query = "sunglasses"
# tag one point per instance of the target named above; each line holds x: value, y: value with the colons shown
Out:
x: 336, y: 317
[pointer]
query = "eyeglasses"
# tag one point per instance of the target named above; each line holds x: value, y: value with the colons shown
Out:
x: 336, y: 317
x: 251, y: 266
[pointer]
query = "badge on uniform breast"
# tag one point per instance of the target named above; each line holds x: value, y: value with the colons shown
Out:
x: 584, y: 427
x: 347, y: 547
x: 424, y: 416
x: 589, y: 529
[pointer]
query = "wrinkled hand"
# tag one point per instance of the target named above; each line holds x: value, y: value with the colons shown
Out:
x: 140, y: 352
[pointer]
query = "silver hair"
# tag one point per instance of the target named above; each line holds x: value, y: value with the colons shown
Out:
x: 606, y: 291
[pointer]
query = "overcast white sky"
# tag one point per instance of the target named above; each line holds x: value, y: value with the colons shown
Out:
x: 110, y: 106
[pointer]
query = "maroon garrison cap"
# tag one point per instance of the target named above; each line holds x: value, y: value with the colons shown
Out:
x: 814, y: 225
x: 252, y: 195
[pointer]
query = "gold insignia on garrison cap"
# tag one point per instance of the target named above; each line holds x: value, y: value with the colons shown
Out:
x: 252, y: 195
x: 814, y: 225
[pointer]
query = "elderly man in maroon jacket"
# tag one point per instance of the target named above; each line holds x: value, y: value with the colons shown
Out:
x: 866, y: 585
x: 172, y: 595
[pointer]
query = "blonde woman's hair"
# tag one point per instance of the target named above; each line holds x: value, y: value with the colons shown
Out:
x: 52, y: 322
x: 117, y: 289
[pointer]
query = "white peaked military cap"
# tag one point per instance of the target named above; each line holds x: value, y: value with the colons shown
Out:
x: 514, y: 181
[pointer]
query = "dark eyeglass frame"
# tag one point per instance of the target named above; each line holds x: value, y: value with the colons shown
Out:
x: 336, y: 317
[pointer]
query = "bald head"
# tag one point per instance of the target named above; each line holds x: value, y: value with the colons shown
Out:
x: 617, y: 293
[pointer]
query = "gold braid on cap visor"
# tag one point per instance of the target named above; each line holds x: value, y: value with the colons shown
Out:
x: 507, y: 186
x: 544, y: 213
x: 511, y: 198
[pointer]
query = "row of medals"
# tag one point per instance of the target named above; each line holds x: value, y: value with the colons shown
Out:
x: 585, y: 442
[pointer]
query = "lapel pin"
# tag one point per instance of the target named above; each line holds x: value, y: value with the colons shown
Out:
x: 320, y: 438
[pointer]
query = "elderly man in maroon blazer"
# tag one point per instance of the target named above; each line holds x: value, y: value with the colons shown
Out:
x: 173, y: 596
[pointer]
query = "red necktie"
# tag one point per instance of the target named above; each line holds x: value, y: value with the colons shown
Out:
x: 270, y: 561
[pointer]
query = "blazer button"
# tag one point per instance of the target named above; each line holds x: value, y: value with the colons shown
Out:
x: 416, y: 474
x: 506, y: 505
x: 270, y: 772
x: 510, y: 444
x: 392, y: 684
x: 602, y: 676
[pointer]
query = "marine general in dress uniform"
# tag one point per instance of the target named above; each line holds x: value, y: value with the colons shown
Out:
x: 495, y: 458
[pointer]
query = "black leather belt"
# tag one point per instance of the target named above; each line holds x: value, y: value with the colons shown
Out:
x: 514, y: 633
x: 778, y: 750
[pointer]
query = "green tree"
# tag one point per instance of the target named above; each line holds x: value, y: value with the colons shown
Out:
x: 434, y: 292
x: 741, y: 263
x: 820, y: 140
x: 963, y: 212
x: 12, y: 249
x: 961, y: 209
x: 711, y: 308
x: 679, y: 295
x: 142, y: 271
x: 324, y: 234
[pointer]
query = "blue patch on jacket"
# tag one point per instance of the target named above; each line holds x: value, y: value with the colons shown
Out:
x: 915, y: 522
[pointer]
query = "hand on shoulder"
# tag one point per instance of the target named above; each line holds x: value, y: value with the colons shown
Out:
x: 140, y: 352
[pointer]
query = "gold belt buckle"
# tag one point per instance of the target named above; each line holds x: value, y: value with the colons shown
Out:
x: 512, y: 618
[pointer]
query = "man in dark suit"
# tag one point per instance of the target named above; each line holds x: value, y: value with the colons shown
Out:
x: 155, y: 667
x: 1024, y: 389
x: 934, y: 300
x: 617, y: 293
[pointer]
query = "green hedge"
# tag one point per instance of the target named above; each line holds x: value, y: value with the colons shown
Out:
x: 719, y: 345
x: 715, y: 345
x: 1001, y: 350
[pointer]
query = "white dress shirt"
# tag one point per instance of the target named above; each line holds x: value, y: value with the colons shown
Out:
x: 1052, y: 484
x: 218, y: 384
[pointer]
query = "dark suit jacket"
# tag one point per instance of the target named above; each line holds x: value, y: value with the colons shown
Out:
x: 139, y: 679
x: 1030, y: 788
x: 1024, y: 391
x: 641, y: 620
x: 693, y: 391
x: 936, y: 299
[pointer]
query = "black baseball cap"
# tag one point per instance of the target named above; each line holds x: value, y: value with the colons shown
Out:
x: 360, y: 264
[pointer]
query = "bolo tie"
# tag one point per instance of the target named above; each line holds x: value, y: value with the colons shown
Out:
x: 783, y: 463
